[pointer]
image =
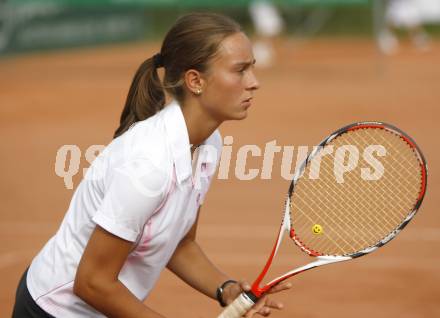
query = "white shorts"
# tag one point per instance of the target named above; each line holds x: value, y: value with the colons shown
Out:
x: 430, y: 10
x: 410, y: 13
x: 404, y: 13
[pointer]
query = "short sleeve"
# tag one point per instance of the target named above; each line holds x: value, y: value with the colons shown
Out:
x: 134, y: 191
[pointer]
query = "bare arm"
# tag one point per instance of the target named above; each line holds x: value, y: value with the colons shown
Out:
x: 96, y: 280
x: 191, y: 265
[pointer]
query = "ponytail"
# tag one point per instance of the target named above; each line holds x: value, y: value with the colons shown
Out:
x: 145, y: 98
x: 191, y: 43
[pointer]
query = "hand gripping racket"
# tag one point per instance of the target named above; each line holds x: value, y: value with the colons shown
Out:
x: 353, y: 194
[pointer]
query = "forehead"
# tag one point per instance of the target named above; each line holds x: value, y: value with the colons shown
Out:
x: 236, y: 48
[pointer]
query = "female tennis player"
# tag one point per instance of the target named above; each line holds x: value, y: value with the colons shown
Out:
x: 136, y: 210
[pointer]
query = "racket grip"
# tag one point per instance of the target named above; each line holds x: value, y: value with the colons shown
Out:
x: 238, y: 307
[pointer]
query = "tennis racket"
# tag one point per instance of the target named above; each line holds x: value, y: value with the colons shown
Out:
x: 353, y: 194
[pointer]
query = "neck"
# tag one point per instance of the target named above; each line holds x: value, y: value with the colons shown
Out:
x: 199, y: 124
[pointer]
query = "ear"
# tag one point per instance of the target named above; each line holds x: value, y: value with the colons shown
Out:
x: 194, y: 81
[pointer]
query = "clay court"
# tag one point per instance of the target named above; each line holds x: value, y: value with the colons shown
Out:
x: 74, y: 97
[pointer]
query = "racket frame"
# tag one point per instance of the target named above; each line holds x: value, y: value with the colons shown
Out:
x: 286, y: 225
x: 247, y: 299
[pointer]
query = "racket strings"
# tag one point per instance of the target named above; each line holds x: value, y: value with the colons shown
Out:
x: 412, y: 180
x: 344, y: 216
x: 338, y: 229
x: 346, y: 219
x: 344, y: 207
x: 387, y: 199
x: 388, y: 221
x: 355, y: 214
x: 332, y: 238
x: 378, y: 204
x: 401, y: 150
x: 334, y: 231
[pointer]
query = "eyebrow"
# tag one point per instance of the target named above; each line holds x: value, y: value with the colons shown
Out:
x: 246, y: 63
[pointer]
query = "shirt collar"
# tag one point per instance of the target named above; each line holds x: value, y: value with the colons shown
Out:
x: 177, y: 135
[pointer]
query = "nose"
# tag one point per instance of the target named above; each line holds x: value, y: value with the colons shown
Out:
x: 252, y: 83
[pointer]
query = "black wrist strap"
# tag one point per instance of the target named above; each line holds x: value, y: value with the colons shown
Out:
x: 219, y: 293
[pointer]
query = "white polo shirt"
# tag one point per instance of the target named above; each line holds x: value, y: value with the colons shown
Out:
x: 142, y: 189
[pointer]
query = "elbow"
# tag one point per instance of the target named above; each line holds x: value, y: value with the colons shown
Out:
x: 87, y: 288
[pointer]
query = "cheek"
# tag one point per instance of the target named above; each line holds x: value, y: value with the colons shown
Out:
x: 227, y: 85
x: 223, y: 94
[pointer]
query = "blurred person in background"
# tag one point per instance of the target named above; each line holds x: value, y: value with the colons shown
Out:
x: 409, y: 15
x: 268, y: 25
x: 136, y: 211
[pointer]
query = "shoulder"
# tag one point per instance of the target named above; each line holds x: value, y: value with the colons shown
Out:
x: 141, y: 154
x: 145, y: 141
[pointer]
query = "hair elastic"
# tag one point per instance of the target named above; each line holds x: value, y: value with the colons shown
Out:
x: 157, y: 60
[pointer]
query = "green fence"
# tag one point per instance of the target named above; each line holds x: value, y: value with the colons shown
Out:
x: 184, y: 3
x: 45, y: 24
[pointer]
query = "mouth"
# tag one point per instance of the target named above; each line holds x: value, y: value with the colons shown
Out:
x: 247, y: 103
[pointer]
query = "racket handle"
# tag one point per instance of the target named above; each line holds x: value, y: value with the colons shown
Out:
x: 238, y: 307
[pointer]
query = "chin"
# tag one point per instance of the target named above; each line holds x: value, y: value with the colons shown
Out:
x: 239, y: 115
x: 236, y: 114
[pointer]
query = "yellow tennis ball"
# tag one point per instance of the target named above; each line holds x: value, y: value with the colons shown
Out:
x: 317, y: 229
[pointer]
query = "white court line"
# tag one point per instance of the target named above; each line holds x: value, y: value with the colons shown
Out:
x: 429, y: 263
x: 258, y: 259
x: 214, y: 231
x: 255, y: 232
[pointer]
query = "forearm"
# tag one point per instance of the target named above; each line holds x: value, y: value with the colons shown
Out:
x: 113, y: 299
x: 191, y: 264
